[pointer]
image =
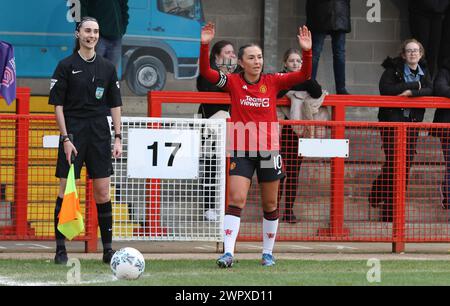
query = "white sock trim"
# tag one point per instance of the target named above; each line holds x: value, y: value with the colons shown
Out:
x: 231, y: 225
x: 270, y: 228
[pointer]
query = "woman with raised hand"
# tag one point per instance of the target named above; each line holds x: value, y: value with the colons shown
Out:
x: 254, y: 135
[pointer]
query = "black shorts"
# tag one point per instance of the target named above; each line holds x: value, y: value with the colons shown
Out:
x: 92, y: 139
x: 269, y: 166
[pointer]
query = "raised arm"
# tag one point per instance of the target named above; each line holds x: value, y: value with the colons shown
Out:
x: 304, y: 38
x: 288, y: 80
x: 211, y: 75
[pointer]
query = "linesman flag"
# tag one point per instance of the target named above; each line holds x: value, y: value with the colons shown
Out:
x: 70, y: 218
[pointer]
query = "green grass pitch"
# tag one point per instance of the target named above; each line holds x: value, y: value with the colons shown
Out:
x: 245, y: 272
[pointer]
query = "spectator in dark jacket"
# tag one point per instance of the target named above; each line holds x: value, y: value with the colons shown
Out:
x: 426, y: 19
x: 445, y: 40
x: 442, y: 89
x: 222, y: 58
x: 112, y: 16
x: 407, y: 76
x: 289, y: 139
x: 329, y: 17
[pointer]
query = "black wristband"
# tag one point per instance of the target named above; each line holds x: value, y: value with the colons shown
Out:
x: 62, y: 138
x: 118, y: 136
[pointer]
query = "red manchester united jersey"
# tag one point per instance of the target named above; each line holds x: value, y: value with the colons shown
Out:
x: 254, y: 123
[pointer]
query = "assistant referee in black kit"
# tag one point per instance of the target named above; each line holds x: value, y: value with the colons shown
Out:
x: 84, y: 87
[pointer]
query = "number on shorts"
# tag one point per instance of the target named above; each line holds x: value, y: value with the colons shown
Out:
x: 277, y: 162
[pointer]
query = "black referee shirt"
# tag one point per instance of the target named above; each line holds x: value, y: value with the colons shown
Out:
x: 85, y: 89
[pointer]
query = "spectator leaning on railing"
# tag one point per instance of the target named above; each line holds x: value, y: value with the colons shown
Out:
x: 442, y: 89
x: 406, y: 75
x: 292, y: 61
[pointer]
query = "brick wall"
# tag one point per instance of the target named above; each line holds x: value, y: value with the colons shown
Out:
x: 367, y: 45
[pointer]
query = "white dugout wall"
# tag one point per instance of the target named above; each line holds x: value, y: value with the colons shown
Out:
x: 171, y: 171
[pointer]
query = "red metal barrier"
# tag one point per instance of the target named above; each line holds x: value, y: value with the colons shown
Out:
x: 21, y: 177
x: 20, y: 226
x: 343, y: 216
x: 337, y: 230
x: 23, y: 158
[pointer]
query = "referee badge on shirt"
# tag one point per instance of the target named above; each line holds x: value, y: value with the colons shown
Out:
x: 99, y: 92
x: 53, y: 83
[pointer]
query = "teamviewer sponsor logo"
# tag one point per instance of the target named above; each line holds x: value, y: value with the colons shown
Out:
x: 255, y: 102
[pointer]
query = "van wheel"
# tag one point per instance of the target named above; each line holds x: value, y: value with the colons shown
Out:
x: 145, y: 74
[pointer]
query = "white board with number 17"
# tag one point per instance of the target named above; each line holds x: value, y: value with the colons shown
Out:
x: 163, y: 154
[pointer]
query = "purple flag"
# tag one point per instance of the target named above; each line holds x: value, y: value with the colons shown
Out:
x: 7, y: 72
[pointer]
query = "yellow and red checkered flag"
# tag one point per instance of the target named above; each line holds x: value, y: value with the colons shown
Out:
x: 70, y: 218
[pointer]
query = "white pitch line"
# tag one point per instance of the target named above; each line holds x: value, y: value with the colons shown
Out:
x: 4, y: 281
x: 200, y: 248
x: 2, y: 247
x: 209, y: 247
x: 34, y: 246
x: 205, y: 247
x: 251, y: 246
x: 300, y: 247
x: 338, y: 247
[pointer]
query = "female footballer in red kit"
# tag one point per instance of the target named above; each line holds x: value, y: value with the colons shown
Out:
x: 253, y: 113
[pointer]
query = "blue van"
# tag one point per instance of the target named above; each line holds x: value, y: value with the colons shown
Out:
x: 162, y: 36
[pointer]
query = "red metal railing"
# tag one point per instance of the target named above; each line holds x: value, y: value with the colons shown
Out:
x: 337, y: 230
x: 29, y: 203
x: 321, y: 222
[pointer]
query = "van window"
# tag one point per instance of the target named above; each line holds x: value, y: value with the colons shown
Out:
x: 183, y: 8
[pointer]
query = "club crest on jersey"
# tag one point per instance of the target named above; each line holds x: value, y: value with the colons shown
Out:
x: 99, y: 92
x: 232, y: 166
x: 263, y: 89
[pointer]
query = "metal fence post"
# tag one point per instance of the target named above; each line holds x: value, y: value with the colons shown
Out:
x: 399, y: 187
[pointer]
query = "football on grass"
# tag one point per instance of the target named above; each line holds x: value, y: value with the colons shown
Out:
x: 127, y: 263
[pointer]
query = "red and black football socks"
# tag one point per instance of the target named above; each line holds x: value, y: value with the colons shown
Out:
x: 270, y: 227
x: 231, y: 225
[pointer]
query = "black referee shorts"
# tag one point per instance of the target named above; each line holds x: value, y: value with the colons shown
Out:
x: 92, y: 139
x: 268, y: 166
